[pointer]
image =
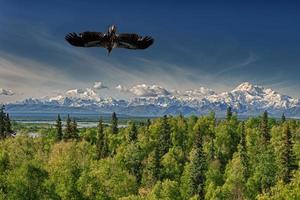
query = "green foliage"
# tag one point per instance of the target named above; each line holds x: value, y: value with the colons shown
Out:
x: 105, y: 180
x: 114, y: 123
x: 167, y: 158
x: 264, y: 128
x: 68, y: 129
x: 58, y: 125
x: 5, y: 124
x: 101, y: 143
x: 229, y: 113
x: 165, y: 190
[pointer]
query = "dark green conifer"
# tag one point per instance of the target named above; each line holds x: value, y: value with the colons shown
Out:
x: 7, y: 125
x: 58, y: 125
x: 243, y: 152
x: 75, y: 131
x: 114, y: 123
x: 264, y: 128
x: 283, y: 119
x: 164, y: 141
x: 68, y: 129
x: 148, y: 123
x: 198, y: 165
x: 229, y: 113
x: 133, y: 132
x: 100, y: 143
x: 2, y: 122
x: 288, y: 157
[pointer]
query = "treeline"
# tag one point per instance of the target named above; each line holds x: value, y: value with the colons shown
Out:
x: 171, y: 157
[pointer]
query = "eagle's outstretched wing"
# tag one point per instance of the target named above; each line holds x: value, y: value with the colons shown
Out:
x: 86, y: 39
x: 133, y: 41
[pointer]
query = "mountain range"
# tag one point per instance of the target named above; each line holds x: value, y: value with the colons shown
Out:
x: 245, y: 99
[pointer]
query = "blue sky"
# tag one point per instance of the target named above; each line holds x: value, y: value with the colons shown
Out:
x: 216, y: 45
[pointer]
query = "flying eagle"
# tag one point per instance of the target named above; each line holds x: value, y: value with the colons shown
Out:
x: 109, y: 40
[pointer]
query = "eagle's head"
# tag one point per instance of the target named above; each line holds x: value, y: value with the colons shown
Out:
x: 112, y: 29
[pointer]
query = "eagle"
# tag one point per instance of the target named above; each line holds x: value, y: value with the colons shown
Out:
x: 109, y: 40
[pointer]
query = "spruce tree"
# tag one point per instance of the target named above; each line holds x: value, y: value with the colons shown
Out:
x: 114, y: 123
x: 243, y: 152
x: 2, y: 122
x: 264, y: 128
x: 164, y: 142
x: 68, y: 129
x: 7, y: 125
x: 148, y: 123
x: 75, y: 131
x: 283, y: 119
x: 59, y: 133
x: 287, y: 158
x: 198, y: 165
x: 229, y: 113
x: 100, y: 143
x: 133, y: 132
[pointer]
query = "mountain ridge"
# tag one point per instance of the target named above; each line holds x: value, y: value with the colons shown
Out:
x: 246, y: 99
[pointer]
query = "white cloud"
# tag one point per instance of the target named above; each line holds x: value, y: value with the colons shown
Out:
x: 6, y: 92
x: 144, y: 90
x: 122, y: 88
x: 99, y: 85
x: 87, y: 93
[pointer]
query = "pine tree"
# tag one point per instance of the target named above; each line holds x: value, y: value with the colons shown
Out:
x: 283, y: 119
x: 229, y: 113
x: 2, y: 122
x: 287, y: 158
x: 59, y: 133
x: 75, y: 131
x: 164, y: 141
x: 148, y: 124
x: 68, y: 129
x: 133, y: 132
x: 114, y: 123
x: 100, y: 143
x: 8, y: 129
x: 198, y: 165
x: 264, y: 128
x: 243, y: 152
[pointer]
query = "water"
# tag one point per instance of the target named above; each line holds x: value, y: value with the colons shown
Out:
x: 80, y: 124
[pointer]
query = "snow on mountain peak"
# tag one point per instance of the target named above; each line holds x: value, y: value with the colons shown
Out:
x: 86, y: 94
x: 245, y: 98
x: 248, y: 87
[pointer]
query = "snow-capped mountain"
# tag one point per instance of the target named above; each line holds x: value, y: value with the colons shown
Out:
x: 245, y: 99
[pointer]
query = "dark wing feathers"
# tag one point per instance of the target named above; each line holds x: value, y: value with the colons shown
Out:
x: 134, y: 41
x: 85, y: 39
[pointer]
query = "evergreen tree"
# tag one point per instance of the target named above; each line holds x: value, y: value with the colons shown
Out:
x: 2, y: 122
x: 133, y: 132
x: 59, y: 133
x: 100, y: 143
x: 197, y: 166
x: 151, y: 168
x: 264, y: 128
x: 164, y: 140
x: 243, y: 152
x: 229, y: 113
x: 283, y: 119
x: 74, y: 130
x: 68, y: 129
x: 114, y: 123
x: 8, y: 129
x: 287, y: 158
x: 148, y: 123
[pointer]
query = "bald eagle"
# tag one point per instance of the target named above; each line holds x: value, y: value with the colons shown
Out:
x: 109, y: 40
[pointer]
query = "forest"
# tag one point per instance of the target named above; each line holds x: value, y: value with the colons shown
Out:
x: 166, y: 158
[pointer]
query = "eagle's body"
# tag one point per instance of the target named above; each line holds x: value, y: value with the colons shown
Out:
x: 109, y: 40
